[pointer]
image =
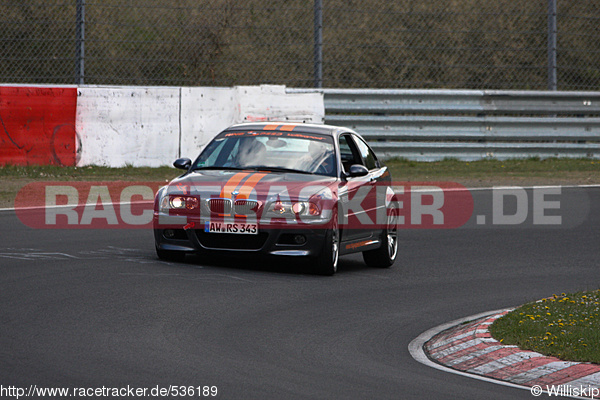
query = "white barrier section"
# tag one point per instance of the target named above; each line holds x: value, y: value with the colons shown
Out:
x: 207, y: 111
x: 204, y: 113
x: 154, y: 126
x: 127, y: 126
x: 272, y: 103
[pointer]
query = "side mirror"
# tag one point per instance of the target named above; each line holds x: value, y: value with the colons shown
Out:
x: 357, y: 170
x: 183, y: 163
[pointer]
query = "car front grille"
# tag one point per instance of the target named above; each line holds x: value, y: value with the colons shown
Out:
x: 246, y: 207
x: 222, y: 206
x: 219, y: 206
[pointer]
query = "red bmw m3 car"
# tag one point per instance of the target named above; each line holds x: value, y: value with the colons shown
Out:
x: 291, y: 190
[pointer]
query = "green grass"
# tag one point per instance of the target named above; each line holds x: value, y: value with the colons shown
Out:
x: 484, y: 172
x: 13, y: 178
x: 49, y: 172
x: 566, y: 326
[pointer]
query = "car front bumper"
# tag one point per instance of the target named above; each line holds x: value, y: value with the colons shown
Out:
x: 285, y: 241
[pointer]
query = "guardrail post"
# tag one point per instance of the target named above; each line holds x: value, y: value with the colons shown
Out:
x: 552, y: 28
x: 80, y: 42
x: 318, y: 47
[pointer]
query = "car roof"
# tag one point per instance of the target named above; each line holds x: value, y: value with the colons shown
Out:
x: 289, y: 127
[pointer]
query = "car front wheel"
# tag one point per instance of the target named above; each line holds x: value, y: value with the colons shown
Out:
x: 384, y: 256
x: 327, y: 262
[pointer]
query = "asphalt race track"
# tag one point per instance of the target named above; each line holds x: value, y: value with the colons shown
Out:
x: 96, y: 308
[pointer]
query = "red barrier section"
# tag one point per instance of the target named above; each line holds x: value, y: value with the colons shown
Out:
x: 37, y: 126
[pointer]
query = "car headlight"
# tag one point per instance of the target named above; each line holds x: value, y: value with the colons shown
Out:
x: 293, y: 208
x: 179, y: 202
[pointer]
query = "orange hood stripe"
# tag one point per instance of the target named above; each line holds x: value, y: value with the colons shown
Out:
x: 249, y: 184
x: 232, y: 183
x: 245, y: 188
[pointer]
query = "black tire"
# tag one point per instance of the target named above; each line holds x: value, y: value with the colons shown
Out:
x: 384, y: 256
x: 327, y: 261
x: 170, y: 255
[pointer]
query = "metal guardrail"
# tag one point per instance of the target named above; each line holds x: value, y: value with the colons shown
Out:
x: 429, y: 125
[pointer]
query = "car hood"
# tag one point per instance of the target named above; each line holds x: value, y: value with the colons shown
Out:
x: 251, y: 183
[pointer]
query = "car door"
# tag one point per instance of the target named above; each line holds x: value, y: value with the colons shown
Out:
x: 355, y: 192
x: 379, y: 179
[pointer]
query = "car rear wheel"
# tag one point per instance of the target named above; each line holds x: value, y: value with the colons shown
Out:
x: 384, y: 256
x: 327, y: 262
x: 170, y: 255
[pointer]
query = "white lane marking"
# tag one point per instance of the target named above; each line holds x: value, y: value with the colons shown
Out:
x: 33, y: 208
x: 37, y: 256
x: 14, y: 257
x: 207, y: 277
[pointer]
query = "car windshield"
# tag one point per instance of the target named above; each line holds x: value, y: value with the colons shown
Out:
x: 275, y: 151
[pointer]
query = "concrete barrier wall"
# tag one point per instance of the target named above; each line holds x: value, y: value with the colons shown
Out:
x: 37, y: 125
x: 119, y: 126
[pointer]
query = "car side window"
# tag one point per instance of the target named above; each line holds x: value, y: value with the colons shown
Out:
x: 368, y: 157
x: 349, y: 153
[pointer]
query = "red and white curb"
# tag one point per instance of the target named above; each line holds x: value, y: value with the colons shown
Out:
x: 466, y: 347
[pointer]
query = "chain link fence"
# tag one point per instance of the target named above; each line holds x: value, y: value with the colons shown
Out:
x: 470, y: 44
